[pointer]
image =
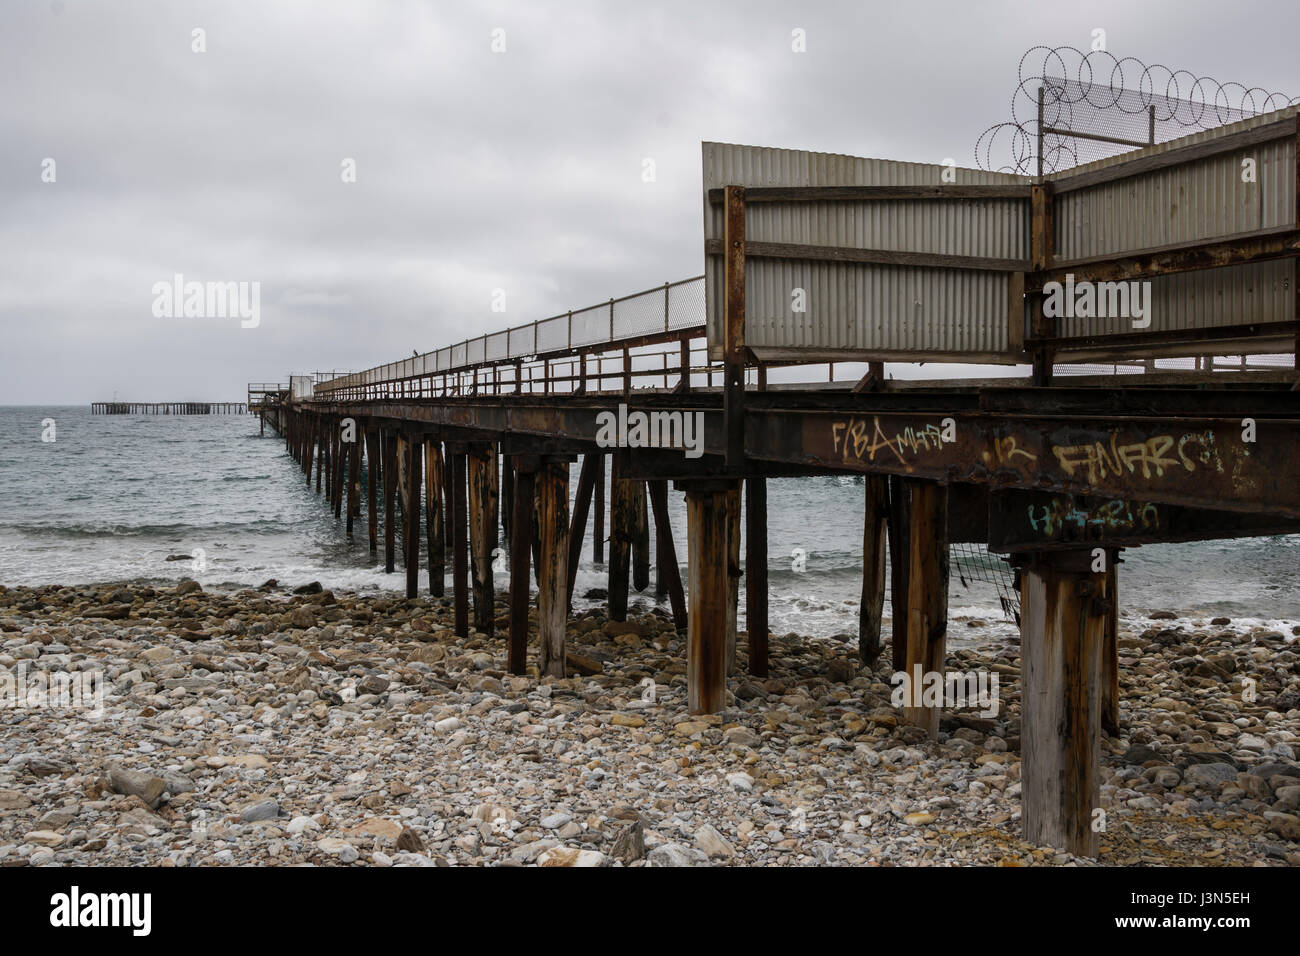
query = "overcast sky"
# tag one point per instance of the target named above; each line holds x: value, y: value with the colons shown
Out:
x: 519, y: 170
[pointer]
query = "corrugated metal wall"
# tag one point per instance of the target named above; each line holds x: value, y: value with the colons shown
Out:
x: 860, y: 306
x: 1201, y: 200
x: 892, y: 310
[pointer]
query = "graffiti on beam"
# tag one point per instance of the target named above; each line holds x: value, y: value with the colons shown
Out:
x: 1152, y: 458
x: 1006, y: 450
x: 858, y: 438
x: 1061, y: 515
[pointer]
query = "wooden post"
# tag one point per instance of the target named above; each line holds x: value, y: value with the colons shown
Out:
x: 354, y: 479
x: 507, y: 496
x: 322, y: 454
x: 899, y: 557
x: 578, y: 528
x: 733, y: 307
x: 1063, y: 624
x: 598, y: 527
x: 927, y: 595
x: 706, y: 637
x: 446, y: 499
x: 521, y: 530
x: 640, y: 537
x: 1110, y: 649
x: 875, y: 521
x: 733, y: 571
x: 459, y: 564
x: 666, y: 552
x: 553, y: 576
x: 338, y: 470
x: 411, y: 512
x: 756, y: 573
x: 483, y: 530
x: 307, y: 447
x: 621, y: 521
x: 1042, y: 257
x: 372, y: 486
x: 435, y: 528
x: 326, y: 457
x: 390, y: 502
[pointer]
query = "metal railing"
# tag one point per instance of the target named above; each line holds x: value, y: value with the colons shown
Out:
x: 671, y: 307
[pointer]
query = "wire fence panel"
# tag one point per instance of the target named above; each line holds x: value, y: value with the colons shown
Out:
x: 497, y: 347
x: 475, y: 351
x: 553, y: 334
x: 590, y: 326
x: 523, y: 341
x: 639, y: 315
x: 686, y: 304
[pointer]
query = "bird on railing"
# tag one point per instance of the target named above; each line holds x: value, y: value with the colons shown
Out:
x: 415, y: 353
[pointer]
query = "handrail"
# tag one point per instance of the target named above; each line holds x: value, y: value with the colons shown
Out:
x: 541, y: 337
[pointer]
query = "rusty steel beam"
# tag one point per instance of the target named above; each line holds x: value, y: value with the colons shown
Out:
x: 1197, y: 462
x: 766, y: 194
x: 1195, y: 458
x: 1257, y: 246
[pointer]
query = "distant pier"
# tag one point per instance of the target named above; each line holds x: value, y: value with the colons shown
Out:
x: 168, y: 408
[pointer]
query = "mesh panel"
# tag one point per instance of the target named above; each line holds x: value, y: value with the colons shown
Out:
x: 639, y: 315
x: 523, y: 342
x: 686, y: 304
x: 553, y: 334
x: 496, y: 346
x: 591, y: 326
x: 474, y: 351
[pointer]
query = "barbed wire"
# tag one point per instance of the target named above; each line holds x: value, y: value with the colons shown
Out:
x: 1101, y: 94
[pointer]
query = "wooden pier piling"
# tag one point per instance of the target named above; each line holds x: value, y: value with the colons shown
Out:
x: 756, y: 622
x: 1063, y: 624
x: 733, y: 572
x: 706, y: 634
x: 411, y: 512
x: 598, y: 525
x: 372, y: 486
x: 1110, y: 647
x: 483, y: 530
x: 459, y: 545
x: 666, y: 552
x: 390, y: 501
x: 640, y: 537
x: 871, y: 610
x: 578, y: 526
x: 900, y: 556
x: 354, y: 481
x: 553, y: 576
x: 622, y: 521
x: 521, y: 530
x: 435, y: 529
x: 927, y: 598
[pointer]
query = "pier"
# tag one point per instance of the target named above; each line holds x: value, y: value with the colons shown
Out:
x: 1058, y: 472
x: 168, y: 408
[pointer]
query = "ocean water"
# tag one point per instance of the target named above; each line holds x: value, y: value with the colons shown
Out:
x: 113, y: 496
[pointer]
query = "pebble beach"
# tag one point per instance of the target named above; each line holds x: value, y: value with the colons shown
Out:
x: 263, y: 726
